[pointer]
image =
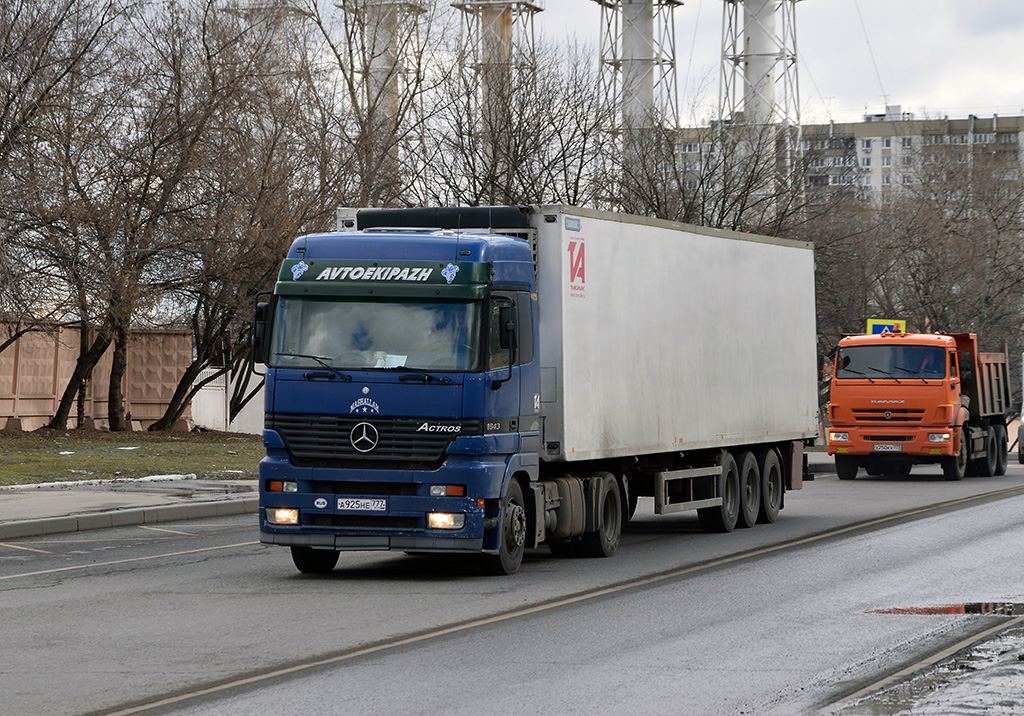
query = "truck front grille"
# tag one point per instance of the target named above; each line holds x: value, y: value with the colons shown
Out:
x: 883, y: 415
x: 398, y: 443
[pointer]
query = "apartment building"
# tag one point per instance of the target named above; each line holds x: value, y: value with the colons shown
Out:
x: 889, y: 152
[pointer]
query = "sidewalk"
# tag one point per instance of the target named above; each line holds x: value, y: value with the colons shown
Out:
x: 33, y: 510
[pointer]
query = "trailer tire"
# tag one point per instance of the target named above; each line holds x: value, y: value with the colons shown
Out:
x: 846, y: 467
x: 1002, y: 450
x: 954, y: 467
x: 604, y: 541
x: 772, y: 486
x: 750, y: 490
x: 722, y: 518
x: 512, y: 541
x: 314, y: 561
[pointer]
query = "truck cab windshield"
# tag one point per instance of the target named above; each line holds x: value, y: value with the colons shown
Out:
x: 359, y: 334
x: 890, y: 361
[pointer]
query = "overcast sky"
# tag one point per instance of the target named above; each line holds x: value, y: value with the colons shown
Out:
x: 933, y: 57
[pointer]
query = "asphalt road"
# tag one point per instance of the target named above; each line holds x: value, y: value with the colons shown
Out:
x: 778, y: 619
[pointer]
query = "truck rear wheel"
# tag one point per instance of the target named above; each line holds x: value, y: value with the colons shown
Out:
x: 772, y: 486
x: 954, y: 467
x: 604, y: 541
x: 988, y: 465
x: 846, y: 467
x: 1002, y: 450
x: 750, y: 490
x: 722, y: 518
x: 314, y: 561
x: 512, y: 541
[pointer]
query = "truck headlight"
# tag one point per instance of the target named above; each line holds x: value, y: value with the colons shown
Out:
x: 445, y: 520
x: 282, y: 516
x: 839, y: 437
x: 938, y: 437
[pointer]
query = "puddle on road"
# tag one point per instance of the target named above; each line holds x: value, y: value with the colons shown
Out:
x: 987, y: 678
x: 1005, y: 609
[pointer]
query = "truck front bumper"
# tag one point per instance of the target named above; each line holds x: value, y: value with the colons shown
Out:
x: 919, y: 444
x: 362, y: 509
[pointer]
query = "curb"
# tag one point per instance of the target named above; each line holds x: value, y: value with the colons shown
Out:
x: 128, y: 517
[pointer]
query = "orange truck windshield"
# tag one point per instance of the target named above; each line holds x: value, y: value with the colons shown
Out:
x: 890, y: 361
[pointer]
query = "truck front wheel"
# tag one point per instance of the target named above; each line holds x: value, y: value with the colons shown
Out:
x: 846, y: 467
x: 954, y: 467
x: 512, y: 542
x: 314, y: 561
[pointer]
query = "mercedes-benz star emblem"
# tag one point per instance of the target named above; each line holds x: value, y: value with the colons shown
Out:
x: 364, y: 437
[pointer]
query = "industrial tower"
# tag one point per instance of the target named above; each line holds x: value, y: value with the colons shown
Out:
x: 388, y: 25
x: 759, y: 57
x: 638, y: 61
x: 499, y: 34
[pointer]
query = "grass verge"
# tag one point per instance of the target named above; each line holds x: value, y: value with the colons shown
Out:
x: 57, y: 455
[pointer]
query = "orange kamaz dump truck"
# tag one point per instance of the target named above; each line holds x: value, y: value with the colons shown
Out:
x: 903, y: 399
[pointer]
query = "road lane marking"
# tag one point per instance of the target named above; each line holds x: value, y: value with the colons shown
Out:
x: 59, y: 570
x: 173, y: 532
x: 27, y: 549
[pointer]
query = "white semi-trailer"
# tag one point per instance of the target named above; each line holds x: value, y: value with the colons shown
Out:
x: 491, y: 379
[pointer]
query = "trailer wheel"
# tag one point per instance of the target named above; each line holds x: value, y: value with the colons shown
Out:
x: 722, y: 518
x: 314, y: 561
x: 604, y: 541
x: 954, y: 467
x: 846, y: 467
x: 750, y: 490
x: 772, y: 487
x: 512, y: 542
x: 988, y: 466
x: 1002, y: 451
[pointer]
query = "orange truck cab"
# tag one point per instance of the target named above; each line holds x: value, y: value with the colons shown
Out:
x: 901, y: 399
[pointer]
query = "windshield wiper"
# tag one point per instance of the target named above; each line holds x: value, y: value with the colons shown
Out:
x: 912, y: 372
x: 322, y: 360
x: 857, y: 372
x: 420, y: 374
x: 884, y: 372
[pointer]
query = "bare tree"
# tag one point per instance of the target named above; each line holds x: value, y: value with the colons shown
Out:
x: 42, y: 49
x: 269, y: 170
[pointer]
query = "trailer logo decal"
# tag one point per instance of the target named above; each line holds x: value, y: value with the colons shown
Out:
x: 449, y: 272
x: 364, y: 405
x: 577, y: 269
x: 298, y: 269
x: 364, y: 437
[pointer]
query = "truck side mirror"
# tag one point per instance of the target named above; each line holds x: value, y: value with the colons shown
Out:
x: 261, y: 317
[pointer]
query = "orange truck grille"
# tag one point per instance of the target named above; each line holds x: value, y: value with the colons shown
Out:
x: 882, y: 415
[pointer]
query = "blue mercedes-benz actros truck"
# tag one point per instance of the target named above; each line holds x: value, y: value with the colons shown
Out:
x: 486, y: 380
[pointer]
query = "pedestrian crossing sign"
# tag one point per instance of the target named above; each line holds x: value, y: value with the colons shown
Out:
x: 883, y: 325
